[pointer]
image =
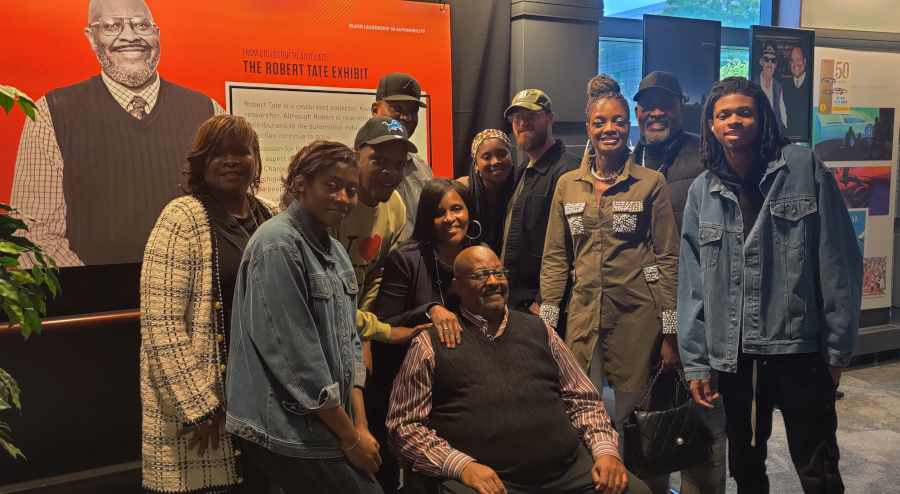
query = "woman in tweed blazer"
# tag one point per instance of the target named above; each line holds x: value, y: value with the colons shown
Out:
x: 187, y: 285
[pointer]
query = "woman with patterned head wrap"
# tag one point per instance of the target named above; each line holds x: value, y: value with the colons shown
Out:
x: 491, y: 181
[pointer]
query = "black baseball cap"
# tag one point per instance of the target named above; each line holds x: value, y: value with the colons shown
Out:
x: 382, y: 129
x: 398, y: 86
x: 661, y: 80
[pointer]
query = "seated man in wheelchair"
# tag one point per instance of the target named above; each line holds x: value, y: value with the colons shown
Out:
x: 506, y: 411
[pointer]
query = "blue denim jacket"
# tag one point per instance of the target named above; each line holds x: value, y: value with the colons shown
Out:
x: 294, y: 347
x: 794, y: 285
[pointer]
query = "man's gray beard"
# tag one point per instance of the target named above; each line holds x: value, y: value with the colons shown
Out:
x: 126, y: 76
x: 493, y: 311
x: 529, y: 143
x: 654, y: 138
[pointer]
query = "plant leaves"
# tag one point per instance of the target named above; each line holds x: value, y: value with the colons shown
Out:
x: 11, y: 248
x: 24, y: 301
x: 8, y: 292
x: 13, y: 316
x: 16, y: 317
x: 11, y: 389
x: 27, y: 107
x: 16, y: 222
x: 22, y: 276
x: 6, y: 103
x: 14, y: 451
x: 51, y: 282
x: 6, y: 229
x: 21, y: 95
x: 37, y: 301
x: 25, y: 329
x: 23, y: 242
x: 8, y: 262
x: 34, y: 320
x: 37, y: 273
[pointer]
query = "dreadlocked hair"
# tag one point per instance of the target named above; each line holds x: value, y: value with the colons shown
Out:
x: 602, y: 87
x: 492, y: 224
x: 769, y: 140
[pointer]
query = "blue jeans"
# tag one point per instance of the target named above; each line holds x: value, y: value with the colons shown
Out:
x: 310, y: 475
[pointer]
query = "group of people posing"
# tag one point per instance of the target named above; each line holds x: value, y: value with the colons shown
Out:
x: 382, y: 329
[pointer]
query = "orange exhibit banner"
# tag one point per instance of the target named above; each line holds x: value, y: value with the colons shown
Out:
x: 297, y: 71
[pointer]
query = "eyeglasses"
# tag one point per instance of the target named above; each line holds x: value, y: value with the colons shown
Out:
x: 528, y: 116
x: 769, y: 59
x: 113, y: 26
x: 482, y: 275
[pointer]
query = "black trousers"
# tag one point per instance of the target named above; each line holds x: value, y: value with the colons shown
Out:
x: 308, y: 475
x: 801, y: 386
x: 255, y: 480
x: 577, y: 480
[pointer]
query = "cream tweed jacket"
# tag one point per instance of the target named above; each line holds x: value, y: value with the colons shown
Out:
x: 183, y: 353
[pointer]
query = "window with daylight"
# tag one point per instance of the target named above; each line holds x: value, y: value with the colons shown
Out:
x: 621, y: 60
x: 732, y: 13
x: 735, y: 62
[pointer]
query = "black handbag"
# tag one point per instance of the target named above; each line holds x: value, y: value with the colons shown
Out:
x: 667, y: 431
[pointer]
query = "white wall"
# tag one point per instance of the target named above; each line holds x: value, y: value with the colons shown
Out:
x: 859, y: 15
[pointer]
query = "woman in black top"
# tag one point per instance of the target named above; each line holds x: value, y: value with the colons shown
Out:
x: 417, y: 288
x: 491, y: 181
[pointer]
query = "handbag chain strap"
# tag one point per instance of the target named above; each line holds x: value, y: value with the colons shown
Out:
x: 645, y: 402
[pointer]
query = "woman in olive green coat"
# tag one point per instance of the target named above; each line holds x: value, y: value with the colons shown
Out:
x: 624, y: 247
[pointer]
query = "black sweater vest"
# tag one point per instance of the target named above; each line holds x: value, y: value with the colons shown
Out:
x: 498, y: 401
x: 120, y: 172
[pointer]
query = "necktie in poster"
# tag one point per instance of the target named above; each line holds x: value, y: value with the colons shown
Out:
x: 116, y: 114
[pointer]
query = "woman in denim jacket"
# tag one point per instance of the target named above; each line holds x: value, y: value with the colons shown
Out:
x: 295, y: 371
x: 769, y: 288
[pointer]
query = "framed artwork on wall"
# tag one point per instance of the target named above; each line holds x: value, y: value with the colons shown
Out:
x: 781, y: 62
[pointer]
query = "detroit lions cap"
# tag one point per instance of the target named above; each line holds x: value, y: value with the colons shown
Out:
x: 382, y: 129
x: 530, y: 99
x: 398, y: 86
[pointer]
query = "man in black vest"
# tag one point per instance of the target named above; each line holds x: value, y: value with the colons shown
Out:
x: 105, y: 155
x: 528, y: 213
x: 508, y: 410
x: 665, y: 146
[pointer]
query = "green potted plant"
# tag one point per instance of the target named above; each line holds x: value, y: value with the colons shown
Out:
x: 21, y: 294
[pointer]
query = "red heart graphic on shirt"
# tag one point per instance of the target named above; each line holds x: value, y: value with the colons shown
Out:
x: 368, y: 247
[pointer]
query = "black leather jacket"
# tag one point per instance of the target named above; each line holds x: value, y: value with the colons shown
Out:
x: 528, y: 225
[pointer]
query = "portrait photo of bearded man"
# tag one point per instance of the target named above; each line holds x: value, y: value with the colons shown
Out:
x: 105, y: 155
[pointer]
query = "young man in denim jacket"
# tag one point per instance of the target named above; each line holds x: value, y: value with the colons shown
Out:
x: 769, y: 288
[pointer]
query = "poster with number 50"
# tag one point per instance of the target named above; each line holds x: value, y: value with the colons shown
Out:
x: 834, y: 90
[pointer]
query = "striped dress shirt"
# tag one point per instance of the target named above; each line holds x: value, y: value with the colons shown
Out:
x: 410, y: 438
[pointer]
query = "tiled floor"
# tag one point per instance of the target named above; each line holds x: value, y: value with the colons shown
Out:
x: 868, y: 435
